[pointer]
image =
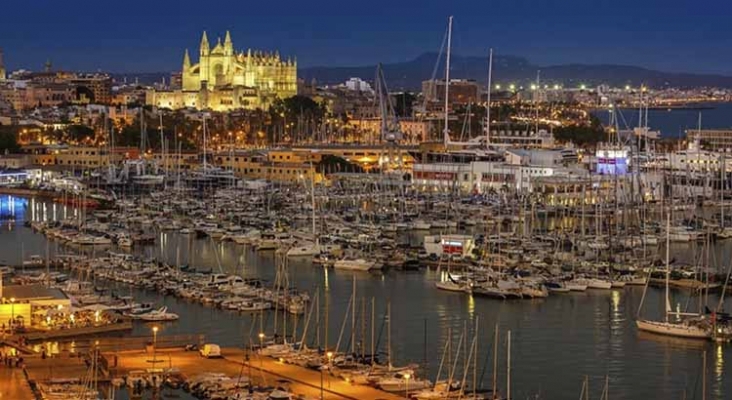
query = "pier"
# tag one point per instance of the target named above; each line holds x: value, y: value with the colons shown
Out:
x: 264, y: 371
x: 13, y: 384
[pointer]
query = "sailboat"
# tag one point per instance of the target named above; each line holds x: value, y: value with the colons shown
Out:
x: 694, y: 328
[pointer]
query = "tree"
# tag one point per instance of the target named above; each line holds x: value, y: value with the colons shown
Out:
x: 80, y: 133
x: 8, y: 140
x: 176, y: 123
x: 580, y: 135
x: 333, y: 164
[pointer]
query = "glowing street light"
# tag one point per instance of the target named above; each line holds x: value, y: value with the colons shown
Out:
x: 12, y: 315
x: 155, y: 342
x: 330, y: 364
x: 261, y: 345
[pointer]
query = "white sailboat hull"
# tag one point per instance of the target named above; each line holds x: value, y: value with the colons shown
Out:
x: 450, y: 286
x: 673, y: 329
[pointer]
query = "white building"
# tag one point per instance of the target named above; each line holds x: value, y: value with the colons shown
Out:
x: 483, y: 176
x: 523, y: 139
x: 359, y: 85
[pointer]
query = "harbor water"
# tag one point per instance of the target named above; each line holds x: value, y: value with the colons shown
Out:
x: 555, y: 342
x: 674, y: 122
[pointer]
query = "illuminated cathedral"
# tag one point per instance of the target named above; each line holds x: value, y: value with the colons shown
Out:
x: 224, y: 79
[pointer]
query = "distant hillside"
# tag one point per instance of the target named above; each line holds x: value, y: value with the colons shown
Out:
x: 506, y: 69
x: 410, y: 74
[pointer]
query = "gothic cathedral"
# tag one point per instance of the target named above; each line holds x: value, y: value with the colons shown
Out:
x: 224, y: 79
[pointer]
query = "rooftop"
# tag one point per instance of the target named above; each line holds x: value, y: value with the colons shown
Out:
x: 32, y: 292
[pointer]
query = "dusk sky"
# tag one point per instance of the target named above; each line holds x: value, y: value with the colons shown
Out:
x: 150, y: 36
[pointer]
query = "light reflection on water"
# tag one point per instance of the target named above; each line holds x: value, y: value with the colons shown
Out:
x: 555, y: 342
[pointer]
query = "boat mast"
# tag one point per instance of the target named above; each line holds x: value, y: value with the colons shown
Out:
x: 204, y: 142
x: 508, y: 368
x: 353, y: 318
x: 668, y: 270
x: 495, y: 361
x: 488, y: 100
x: 446, y: 132
x: 388, y: 319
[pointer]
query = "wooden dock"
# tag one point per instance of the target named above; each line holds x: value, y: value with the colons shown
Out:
x: 266, y: 371
x: 13, y: 384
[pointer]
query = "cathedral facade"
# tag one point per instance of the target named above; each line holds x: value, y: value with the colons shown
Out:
x: 224, y: 79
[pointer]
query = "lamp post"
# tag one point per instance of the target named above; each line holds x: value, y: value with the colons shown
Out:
x: 322, y: 367
x: 12, y: 315
x: 406, y: 381
x: 330, y: 360
x: 261, y: 344
x: 155, y: 342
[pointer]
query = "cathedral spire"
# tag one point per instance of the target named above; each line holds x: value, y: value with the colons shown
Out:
x: 205, y: 49
x: 186, y: 60
x: 228, y: 45
x: 2, y: 78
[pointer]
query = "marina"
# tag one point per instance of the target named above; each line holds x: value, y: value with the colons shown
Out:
x: 444, y: 313
x: 240, y: 231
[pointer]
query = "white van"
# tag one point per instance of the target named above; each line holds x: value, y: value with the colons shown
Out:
x: 210, y: 350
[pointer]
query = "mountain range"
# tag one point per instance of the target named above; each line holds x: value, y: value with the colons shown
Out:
x: 507, y: 70
x: 513, y: 70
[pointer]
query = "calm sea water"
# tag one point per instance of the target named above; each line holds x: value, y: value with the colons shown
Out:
x: 673, y: 123
x: 556, y: 342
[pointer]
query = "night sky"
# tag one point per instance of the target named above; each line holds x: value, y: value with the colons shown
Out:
x: 150, y: 36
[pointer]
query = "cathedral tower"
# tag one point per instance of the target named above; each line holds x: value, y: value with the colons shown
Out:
x: 2, y: 66
x: 204, y: 59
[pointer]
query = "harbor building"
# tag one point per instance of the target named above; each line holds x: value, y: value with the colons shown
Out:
x: 20, y: 301
x: 224, y: 79
x: 712, y: 139
x: 461, y: 92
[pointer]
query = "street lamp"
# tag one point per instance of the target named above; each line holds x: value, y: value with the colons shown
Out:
x: 261, y: 340
x: 406, y: 379
x: 155, y: 342
x: 330, y: 366
x: 12, y: 315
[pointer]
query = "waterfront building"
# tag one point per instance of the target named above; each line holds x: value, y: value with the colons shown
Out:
x: 18, y: 302
x: 612, y: 159
x: 461, y: 92
x: 712, y: 139
x: 283, y: 166
x: 523, y: 139
x: 11, y: 176
x: 482, y: 176
x: 365, y: 156
x: 224, y: 79
x: 414, y: 130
